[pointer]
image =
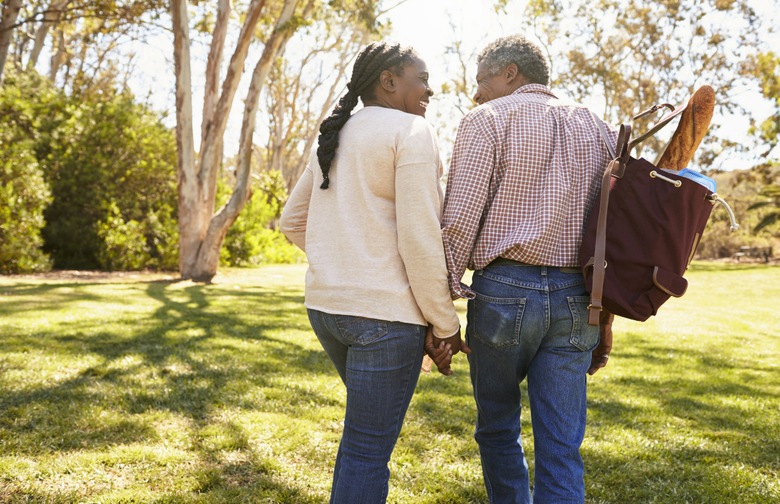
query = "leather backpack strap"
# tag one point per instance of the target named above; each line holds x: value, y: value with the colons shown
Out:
x: 616, y: 168
x: 617, y: 165
x: 603, y: 130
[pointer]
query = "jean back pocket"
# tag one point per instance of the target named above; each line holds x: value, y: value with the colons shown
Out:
x: 496, y: 321
x: 360, y: 330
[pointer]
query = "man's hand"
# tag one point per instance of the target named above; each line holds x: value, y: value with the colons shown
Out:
x: 441, y: 350
x: 600, y: 354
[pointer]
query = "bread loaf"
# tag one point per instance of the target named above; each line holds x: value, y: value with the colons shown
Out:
x: 693, y: 125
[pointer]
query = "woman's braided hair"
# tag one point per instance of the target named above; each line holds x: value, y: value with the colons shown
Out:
x: 370, y: 63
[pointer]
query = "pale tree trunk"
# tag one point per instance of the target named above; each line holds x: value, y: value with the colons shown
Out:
x: 50, y: 18
x: 58, y: 54
x: 10, y: 13
x: 209, y: 254
x: 188, y: 186
x: 200, y: 231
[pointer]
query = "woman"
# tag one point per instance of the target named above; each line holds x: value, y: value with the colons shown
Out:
x: 366, y: 212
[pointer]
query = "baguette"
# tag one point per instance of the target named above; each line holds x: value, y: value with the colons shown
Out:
x: 693, y: 125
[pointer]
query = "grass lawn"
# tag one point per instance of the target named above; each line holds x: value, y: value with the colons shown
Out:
x: 141, y: 389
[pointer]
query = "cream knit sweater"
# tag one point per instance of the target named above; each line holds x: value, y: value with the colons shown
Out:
x: 373, y: 238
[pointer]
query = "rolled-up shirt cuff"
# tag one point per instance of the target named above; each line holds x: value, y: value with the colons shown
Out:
x: 461, y: 290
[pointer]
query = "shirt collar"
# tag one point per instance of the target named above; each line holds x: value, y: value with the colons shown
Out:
x: 534, y: 88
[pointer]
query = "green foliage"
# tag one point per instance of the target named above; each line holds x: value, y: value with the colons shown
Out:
x: 770, y: 219
x: 741, y: 189
x: 134, y: 245
x: 111, y: 163
x: 253, y: 238
x: 23, y: 192
x: 24, y: 195
x: 766, y: 68
x: 97, y: 167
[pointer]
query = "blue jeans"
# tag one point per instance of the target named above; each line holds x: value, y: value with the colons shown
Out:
x: 379, y: 362
x: 530, y: 321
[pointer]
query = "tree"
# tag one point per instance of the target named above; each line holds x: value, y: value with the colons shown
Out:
x: 766, y: 68
x: 632, y: 54
x: 83, y: 36
x: 201, y: 229
x: 201, y: 232
x: 10, y: 12
x: 772, y: 201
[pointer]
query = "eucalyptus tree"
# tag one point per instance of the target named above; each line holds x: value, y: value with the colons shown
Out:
x: 270, y: 24
x: 624, y: 56
x: 82, y: 36
x: 9, y: 13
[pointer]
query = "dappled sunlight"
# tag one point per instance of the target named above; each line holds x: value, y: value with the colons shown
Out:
x: 177, y: 388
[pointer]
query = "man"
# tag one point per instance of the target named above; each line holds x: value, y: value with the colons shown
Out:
x: 525, y: 171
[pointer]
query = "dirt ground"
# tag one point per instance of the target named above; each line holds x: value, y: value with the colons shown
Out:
x: 97, y: 276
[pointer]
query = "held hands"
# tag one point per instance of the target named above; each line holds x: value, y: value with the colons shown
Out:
x: 441, y: 350
x: 600, y: 354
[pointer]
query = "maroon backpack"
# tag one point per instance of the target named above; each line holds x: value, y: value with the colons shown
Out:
x: 642, y: 232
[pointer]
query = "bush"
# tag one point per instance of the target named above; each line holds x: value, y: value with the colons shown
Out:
x: 112, y: 169
x: 24, y: 194
x: 253, y: 238
x: 89, y: 178
x: 23, y: 191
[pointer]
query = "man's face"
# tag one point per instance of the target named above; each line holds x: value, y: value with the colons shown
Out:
x: 490, y: 87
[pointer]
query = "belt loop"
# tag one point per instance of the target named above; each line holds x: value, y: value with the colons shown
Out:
x: 544, y: 270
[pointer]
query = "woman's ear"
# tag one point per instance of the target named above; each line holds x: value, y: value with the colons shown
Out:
x: 386, y: 81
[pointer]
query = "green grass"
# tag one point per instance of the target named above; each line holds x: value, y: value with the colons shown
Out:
x: 145, y: 390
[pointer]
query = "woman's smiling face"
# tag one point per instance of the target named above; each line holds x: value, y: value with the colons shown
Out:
x: 412, y: 90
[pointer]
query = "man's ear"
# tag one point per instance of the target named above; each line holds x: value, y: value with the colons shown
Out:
x: 514, y: 77
x: 386, y: 81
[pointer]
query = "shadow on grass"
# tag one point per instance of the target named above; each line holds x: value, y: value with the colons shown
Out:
x: 704, y: 426
x: 203, y: 350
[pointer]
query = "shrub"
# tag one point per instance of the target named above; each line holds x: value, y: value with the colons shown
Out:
x: 23, y: 192
x: 112, y: 163
x: 253, y: 238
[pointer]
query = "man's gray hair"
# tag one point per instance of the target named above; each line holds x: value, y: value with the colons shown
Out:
x: 518, y: 50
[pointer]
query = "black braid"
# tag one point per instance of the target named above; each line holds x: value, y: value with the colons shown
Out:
x: 370, y: 63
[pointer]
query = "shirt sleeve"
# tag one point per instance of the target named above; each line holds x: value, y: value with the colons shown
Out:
x: 418, y: 203
x: 465, y: 203
x: 296, y: 211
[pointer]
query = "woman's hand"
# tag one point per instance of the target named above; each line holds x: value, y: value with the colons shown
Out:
x: 441, y: 350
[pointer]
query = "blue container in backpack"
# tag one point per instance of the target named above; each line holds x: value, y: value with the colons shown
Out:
x: 698, y: 178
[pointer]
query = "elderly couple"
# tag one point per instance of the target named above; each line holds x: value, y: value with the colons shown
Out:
x: 387, y: 252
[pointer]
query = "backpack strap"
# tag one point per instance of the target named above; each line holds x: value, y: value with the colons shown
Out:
x: 599, y: 262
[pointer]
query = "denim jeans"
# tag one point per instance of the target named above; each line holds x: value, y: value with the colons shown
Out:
x: 530, y: 321
x: 379, y: 362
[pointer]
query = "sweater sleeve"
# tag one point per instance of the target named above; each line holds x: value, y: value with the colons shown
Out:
x: 418, y: 213
x: 296, y: 211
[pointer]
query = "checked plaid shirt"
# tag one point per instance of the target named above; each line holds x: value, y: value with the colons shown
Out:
x: 524, y: 175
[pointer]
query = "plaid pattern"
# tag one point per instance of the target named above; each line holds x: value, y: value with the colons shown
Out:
x: 525, y: 172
